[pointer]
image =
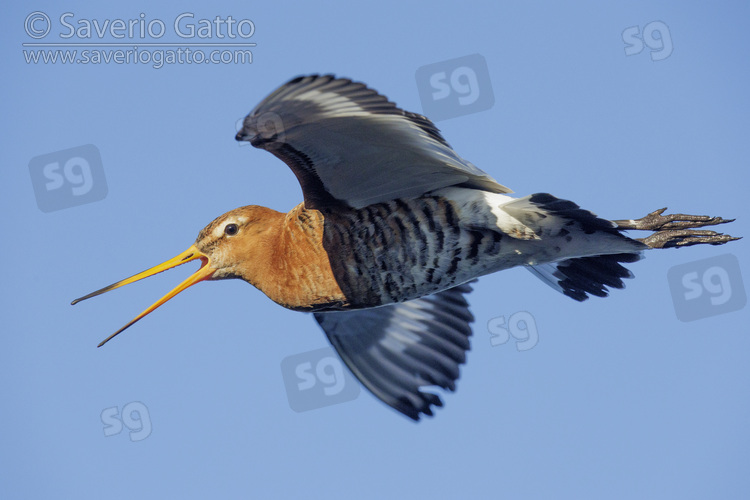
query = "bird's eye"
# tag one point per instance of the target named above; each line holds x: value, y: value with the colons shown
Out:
x: 231, y: 229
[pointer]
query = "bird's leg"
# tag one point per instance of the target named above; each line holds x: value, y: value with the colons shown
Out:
x: 677, y: 230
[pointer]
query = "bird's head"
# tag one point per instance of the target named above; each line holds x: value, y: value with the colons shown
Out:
x: 232, y: 242
x: 229, y: 247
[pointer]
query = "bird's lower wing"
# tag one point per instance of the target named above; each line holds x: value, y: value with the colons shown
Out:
x: 395, y: 350
x: 347, y: 143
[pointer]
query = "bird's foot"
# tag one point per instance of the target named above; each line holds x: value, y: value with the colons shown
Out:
x: 685, y: 238
x: 655, y: 221
x: 677, y: 230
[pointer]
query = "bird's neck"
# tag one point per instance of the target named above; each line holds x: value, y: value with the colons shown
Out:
x: 298, y: 272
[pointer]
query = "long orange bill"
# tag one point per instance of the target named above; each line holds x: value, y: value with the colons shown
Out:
x: 188, y: 255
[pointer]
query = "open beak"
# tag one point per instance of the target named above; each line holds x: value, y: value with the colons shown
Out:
x: 192, y: 253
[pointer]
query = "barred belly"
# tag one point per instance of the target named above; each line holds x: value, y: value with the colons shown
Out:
x: 404, y: 249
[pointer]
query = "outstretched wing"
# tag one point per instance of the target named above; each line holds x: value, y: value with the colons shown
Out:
x: 347, y: 143
x: 396, y: 349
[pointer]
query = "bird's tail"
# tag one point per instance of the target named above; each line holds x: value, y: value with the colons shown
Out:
x: 586, y: 275
x: 597, y: 259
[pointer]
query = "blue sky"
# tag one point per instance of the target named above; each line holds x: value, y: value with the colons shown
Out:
x: 616, y: 398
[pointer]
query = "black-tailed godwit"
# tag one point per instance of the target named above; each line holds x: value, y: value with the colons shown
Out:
x: 393, y: 228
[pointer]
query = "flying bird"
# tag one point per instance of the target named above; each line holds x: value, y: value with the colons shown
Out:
x: 393, y: 229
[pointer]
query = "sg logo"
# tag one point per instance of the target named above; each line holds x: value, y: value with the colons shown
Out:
x: 521, y: 326
x: 707, y: 287
x: 462, y: 81
x: 455, y: 87
x: 328, y: 371
x: 655, y: 36
x: 68, y: 178
x: 316, y: 379
x: 135, y: 417
x: 268, y: 125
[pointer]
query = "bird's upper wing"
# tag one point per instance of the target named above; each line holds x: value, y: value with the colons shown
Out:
x: 347, y: 143
x: 396, y: 349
